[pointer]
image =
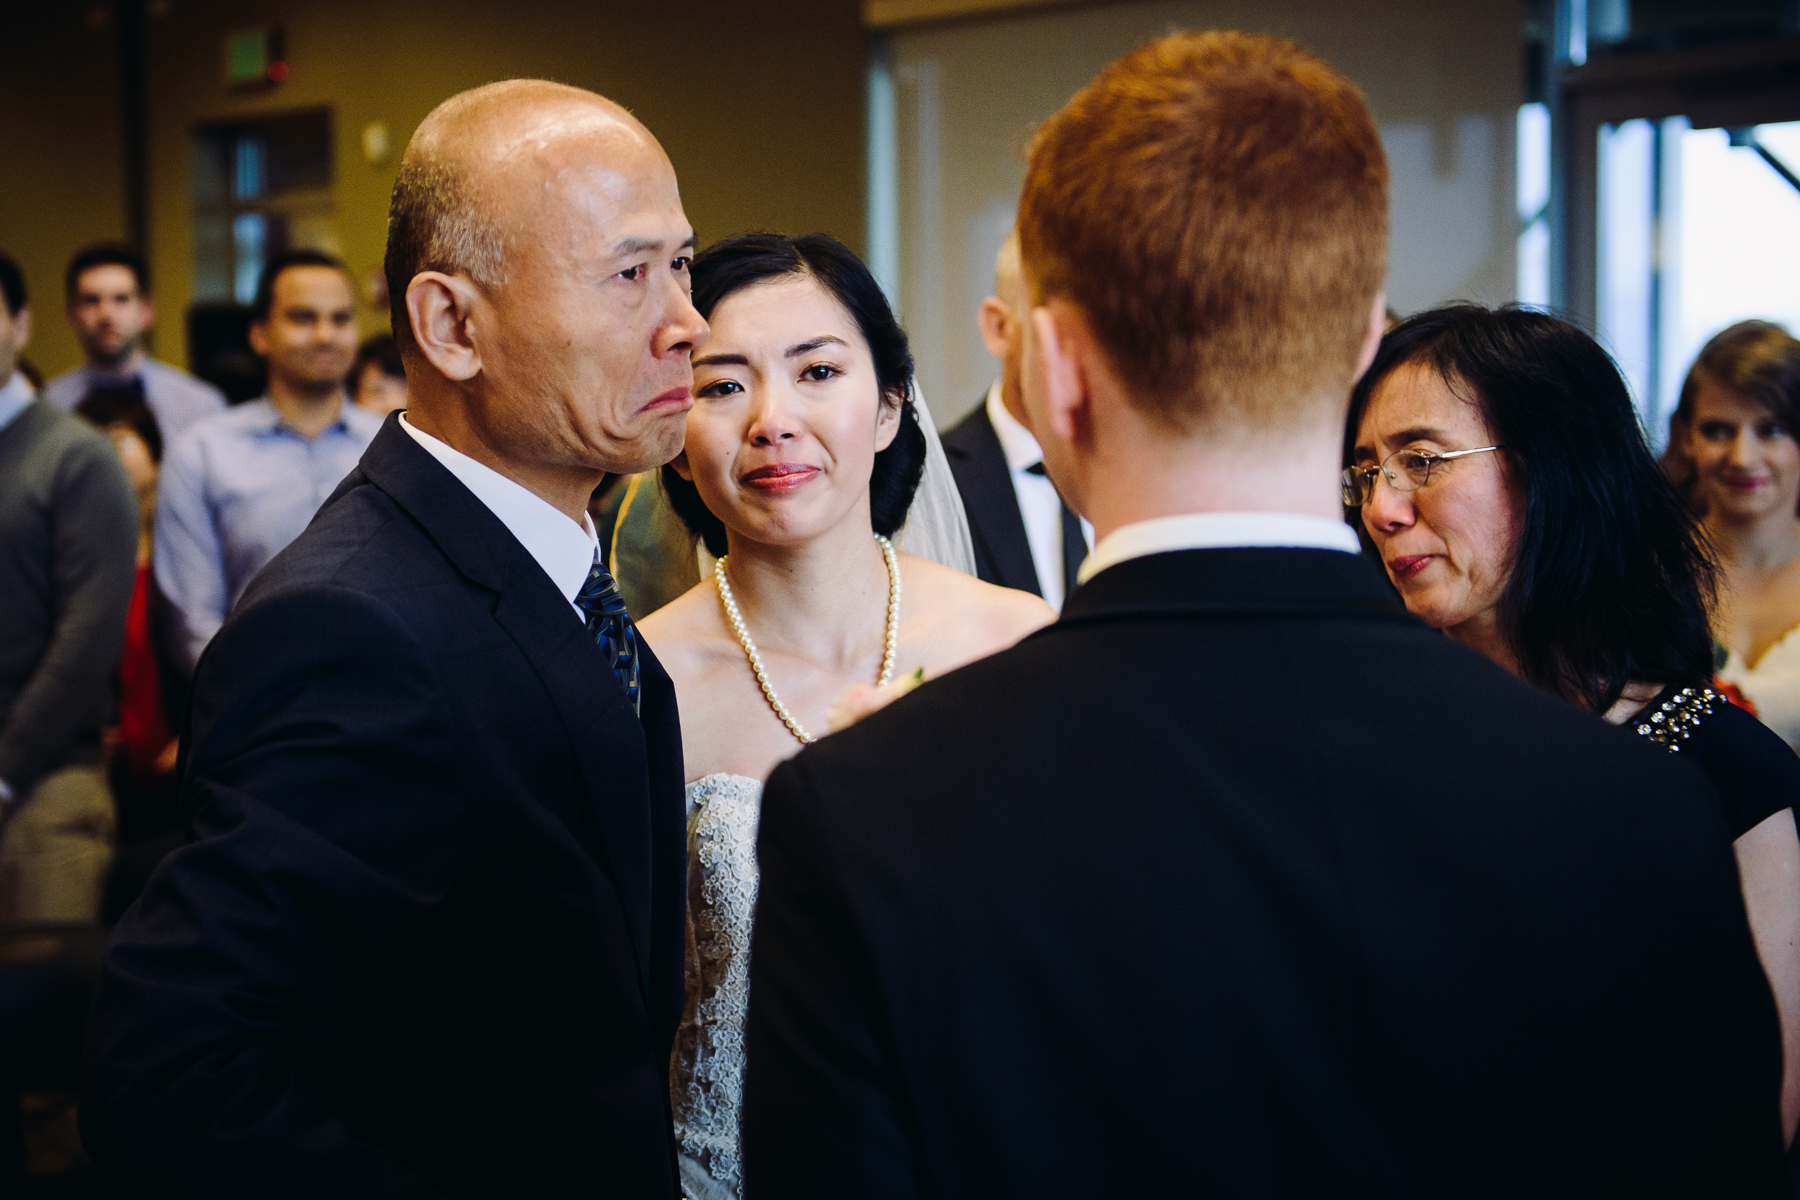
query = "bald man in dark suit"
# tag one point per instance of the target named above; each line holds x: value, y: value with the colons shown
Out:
x: 427, y: 941
x: 1025, y: 536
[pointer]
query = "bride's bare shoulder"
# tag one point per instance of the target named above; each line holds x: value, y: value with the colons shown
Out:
x: 979, y: 618
x: 683, y: 631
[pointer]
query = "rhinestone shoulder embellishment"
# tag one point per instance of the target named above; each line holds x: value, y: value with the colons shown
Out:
x: 1679, y: 716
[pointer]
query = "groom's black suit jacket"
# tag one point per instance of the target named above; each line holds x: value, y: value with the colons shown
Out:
x: 428, y: 939
x: 1239, y: 881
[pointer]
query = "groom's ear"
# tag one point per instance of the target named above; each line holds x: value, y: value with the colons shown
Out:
x: 1057, y: 369
x: 442, y: 309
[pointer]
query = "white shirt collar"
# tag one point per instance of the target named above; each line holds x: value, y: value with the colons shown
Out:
x: 1016, y: 442
x: 562, y: 548
x: 15, y: 397
x: 1218, y: 530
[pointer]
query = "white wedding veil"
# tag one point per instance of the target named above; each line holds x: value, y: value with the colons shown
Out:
x: 936, y: 525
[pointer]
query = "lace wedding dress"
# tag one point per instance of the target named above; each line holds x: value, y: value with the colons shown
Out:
x: 707, y: 1074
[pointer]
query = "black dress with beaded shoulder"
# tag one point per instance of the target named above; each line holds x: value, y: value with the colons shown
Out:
x: 1755, y: 773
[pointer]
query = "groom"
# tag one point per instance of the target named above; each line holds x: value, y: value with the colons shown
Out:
x: 428, y: 939
x: 1238, y: 880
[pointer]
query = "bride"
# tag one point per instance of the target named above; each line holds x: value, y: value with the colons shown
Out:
x: 804, y: 450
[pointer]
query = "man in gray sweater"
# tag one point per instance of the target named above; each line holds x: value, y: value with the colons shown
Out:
x: 68, y: 555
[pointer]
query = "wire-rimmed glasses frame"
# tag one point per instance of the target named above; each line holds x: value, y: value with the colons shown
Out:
x: 1406, y: 470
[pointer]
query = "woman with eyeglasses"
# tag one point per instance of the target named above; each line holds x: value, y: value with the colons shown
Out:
x: 1496, y: 469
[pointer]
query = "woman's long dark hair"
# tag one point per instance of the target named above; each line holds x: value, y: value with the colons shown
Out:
x: 1612, y: 577
x: 740, y: 262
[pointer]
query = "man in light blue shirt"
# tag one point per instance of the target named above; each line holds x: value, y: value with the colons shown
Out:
x: 240, y: 485
x: 110, y: 310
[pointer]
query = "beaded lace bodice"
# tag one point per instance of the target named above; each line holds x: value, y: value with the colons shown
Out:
x: 707, y: 1074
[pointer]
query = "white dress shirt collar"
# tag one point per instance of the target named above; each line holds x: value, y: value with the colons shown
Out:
x: 1016, y: 441
x: 15, y: 397
x: 1218, y: 530
x: 562, y: 548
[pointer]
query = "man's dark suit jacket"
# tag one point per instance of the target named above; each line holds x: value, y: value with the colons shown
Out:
x: 978, y: 464
x: 1239, y: 881
x: 428, y: 941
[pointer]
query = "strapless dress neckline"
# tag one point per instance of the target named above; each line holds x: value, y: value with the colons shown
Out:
x: 720, y: 779
x: 1774, y: 686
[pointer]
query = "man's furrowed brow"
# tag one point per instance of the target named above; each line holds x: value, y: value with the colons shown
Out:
x: 627, y: 247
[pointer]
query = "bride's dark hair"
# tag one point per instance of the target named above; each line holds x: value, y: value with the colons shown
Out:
x: 740, y: 262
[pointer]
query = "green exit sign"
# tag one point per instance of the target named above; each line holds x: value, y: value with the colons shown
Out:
x: 250, y: 54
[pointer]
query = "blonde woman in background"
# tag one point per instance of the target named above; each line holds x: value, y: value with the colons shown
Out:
x: 1734, y: 447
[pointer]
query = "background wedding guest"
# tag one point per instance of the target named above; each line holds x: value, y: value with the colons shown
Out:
x: 67, y: 543
x: 110, y: 309
x: 1025, y: 536
x: 653, y: 555
x: 805, y: 438
x: 1238, y: 880
x: 1491, y: 456
x: 242, y: 484
x: 1733, y: 449
x: 141, y: 743
x: 378, y: 376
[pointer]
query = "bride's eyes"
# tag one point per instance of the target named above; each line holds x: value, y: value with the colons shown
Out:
x: 719, y: 387
x: 727, y: 386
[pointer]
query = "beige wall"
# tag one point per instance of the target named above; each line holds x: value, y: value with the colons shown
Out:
x: 60, y: 158
x: 1443, y: 80
x: 759, y: 106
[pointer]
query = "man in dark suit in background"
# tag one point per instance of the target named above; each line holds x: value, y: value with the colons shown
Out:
x: 1025, y: 536
x: 1238, y: 880
x: 428, y: 939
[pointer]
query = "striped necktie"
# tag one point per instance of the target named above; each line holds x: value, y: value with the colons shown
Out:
x: 604, y: 608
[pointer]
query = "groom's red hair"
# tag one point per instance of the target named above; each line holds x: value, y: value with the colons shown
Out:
x: 1216, y: 206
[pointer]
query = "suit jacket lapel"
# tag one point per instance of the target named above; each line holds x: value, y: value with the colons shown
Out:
x: 605, y: 735
x: 982, y: 476
x: 667, y: 847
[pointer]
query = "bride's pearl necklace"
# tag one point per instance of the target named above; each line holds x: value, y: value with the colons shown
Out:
x: 735, y: 619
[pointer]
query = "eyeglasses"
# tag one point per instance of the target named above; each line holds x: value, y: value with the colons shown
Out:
x: 1405, y: 471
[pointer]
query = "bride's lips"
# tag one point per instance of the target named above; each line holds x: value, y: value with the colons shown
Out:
x: 679, y: 399
x: 779, y: 477
x: 1407, y: 565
